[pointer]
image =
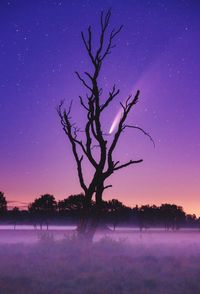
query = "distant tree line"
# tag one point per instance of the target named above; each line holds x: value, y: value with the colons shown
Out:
x: 45, y: 210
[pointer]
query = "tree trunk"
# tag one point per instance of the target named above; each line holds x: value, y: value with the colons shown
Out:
x: 91, y: 216
x: 83, y: 226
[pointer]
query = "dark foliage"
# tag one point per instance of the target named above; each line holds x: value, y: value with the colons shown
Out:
x: 3, y: 203
x: 46, y: 210
x: 43, y: 209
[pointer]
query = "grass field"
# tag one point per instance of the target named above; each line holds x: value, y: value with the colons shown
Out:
x: 151, y: 262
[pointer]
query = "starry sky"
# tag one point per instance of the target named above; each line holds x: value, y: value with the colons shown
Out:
x: 157, y: 52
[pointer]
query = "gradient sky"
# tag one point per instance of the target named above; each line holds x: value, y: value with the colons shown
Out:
x: 157, y: 52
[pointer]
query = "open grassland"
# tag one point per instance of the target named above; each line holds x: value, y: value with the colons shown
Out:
x: 112, y: 264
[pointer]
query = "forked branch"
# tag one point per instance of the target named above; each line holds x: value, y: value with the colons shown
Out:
x: 67, y: 127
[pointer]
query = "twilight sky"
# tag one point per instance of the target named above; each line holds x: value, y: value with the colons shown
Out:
x: 157, y: 52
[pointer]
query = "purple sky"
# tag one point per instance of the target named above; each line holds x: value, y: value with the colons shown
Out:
x: 157, y: 52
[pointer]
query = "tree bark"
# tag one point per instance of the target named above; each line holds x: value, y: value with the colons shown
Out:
x: 90, y: 219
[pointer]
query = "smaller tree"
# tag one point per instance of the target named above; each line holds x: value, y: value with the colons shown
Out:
x: 72, y: 207
x: 191, y: 220
x: 15, y: 215
x: 3, y: 203
x: 172, y: 216
x: 43, y: 208
x: 74, y: 203
x: 117, y: 212
x: 148, y: 216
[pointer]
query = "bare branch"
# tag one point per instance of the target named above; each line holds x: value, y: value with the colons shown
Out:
x: 127, y: 164
x: 83, y: 81
x: 124, y: 108
x: 95, y: 146
x: 104, y: 24
x: 128, y: 99
x: 112, y: 95
x: 110, y: 45
x: 82, y: 103
x: 142, y: 130
x: 116, y: 163
x: 89, y: 75
x: 108, y: 186
x: 88, y: 44
x: 67, y: 127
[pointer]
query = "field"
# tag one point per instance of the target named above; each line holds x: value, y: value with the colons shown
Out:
x: 125, y: 261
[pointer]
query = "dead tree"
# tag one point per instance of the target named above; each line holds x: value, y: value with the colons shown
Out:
x: 94, y: 135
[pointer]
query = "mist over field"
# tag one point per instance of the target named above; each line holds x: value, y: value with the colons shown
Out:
x: 124, y: 261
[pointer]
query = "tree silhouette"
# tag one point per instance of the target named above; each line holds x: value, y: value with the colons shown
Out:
x: 3, y: 203
x: 72, y: 207
x: 191, y: 220
x: 148, y: 216
x: 117, y: 212
x: 43, y: 208
x: 74, y: 203
x: 172, y: 216
x: 72, y: 210
x: 83, y: 141
x: 15, y: 215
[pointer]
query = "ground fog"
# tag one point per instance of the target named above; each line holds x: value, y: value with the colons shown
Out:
x: 116, y: 262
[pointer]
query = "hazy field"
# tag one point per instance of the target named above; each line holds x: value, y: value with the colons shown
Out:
x: 125, y: 261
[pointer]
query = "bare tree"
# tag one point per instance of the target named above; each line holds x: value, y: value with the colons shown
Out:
x: 104, y: 164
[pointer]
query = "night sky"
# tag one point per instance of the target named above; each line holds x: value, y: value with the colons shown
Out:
x: 157, y: 52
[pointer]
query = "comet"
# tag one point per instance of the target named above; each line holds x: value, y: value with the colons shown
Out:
x: 118, y: 116
x: 143, y: 80
x: 115, y: 122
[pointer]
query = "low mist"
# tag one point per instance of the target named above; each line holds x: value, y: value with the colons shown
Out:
x: 121, y: 261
